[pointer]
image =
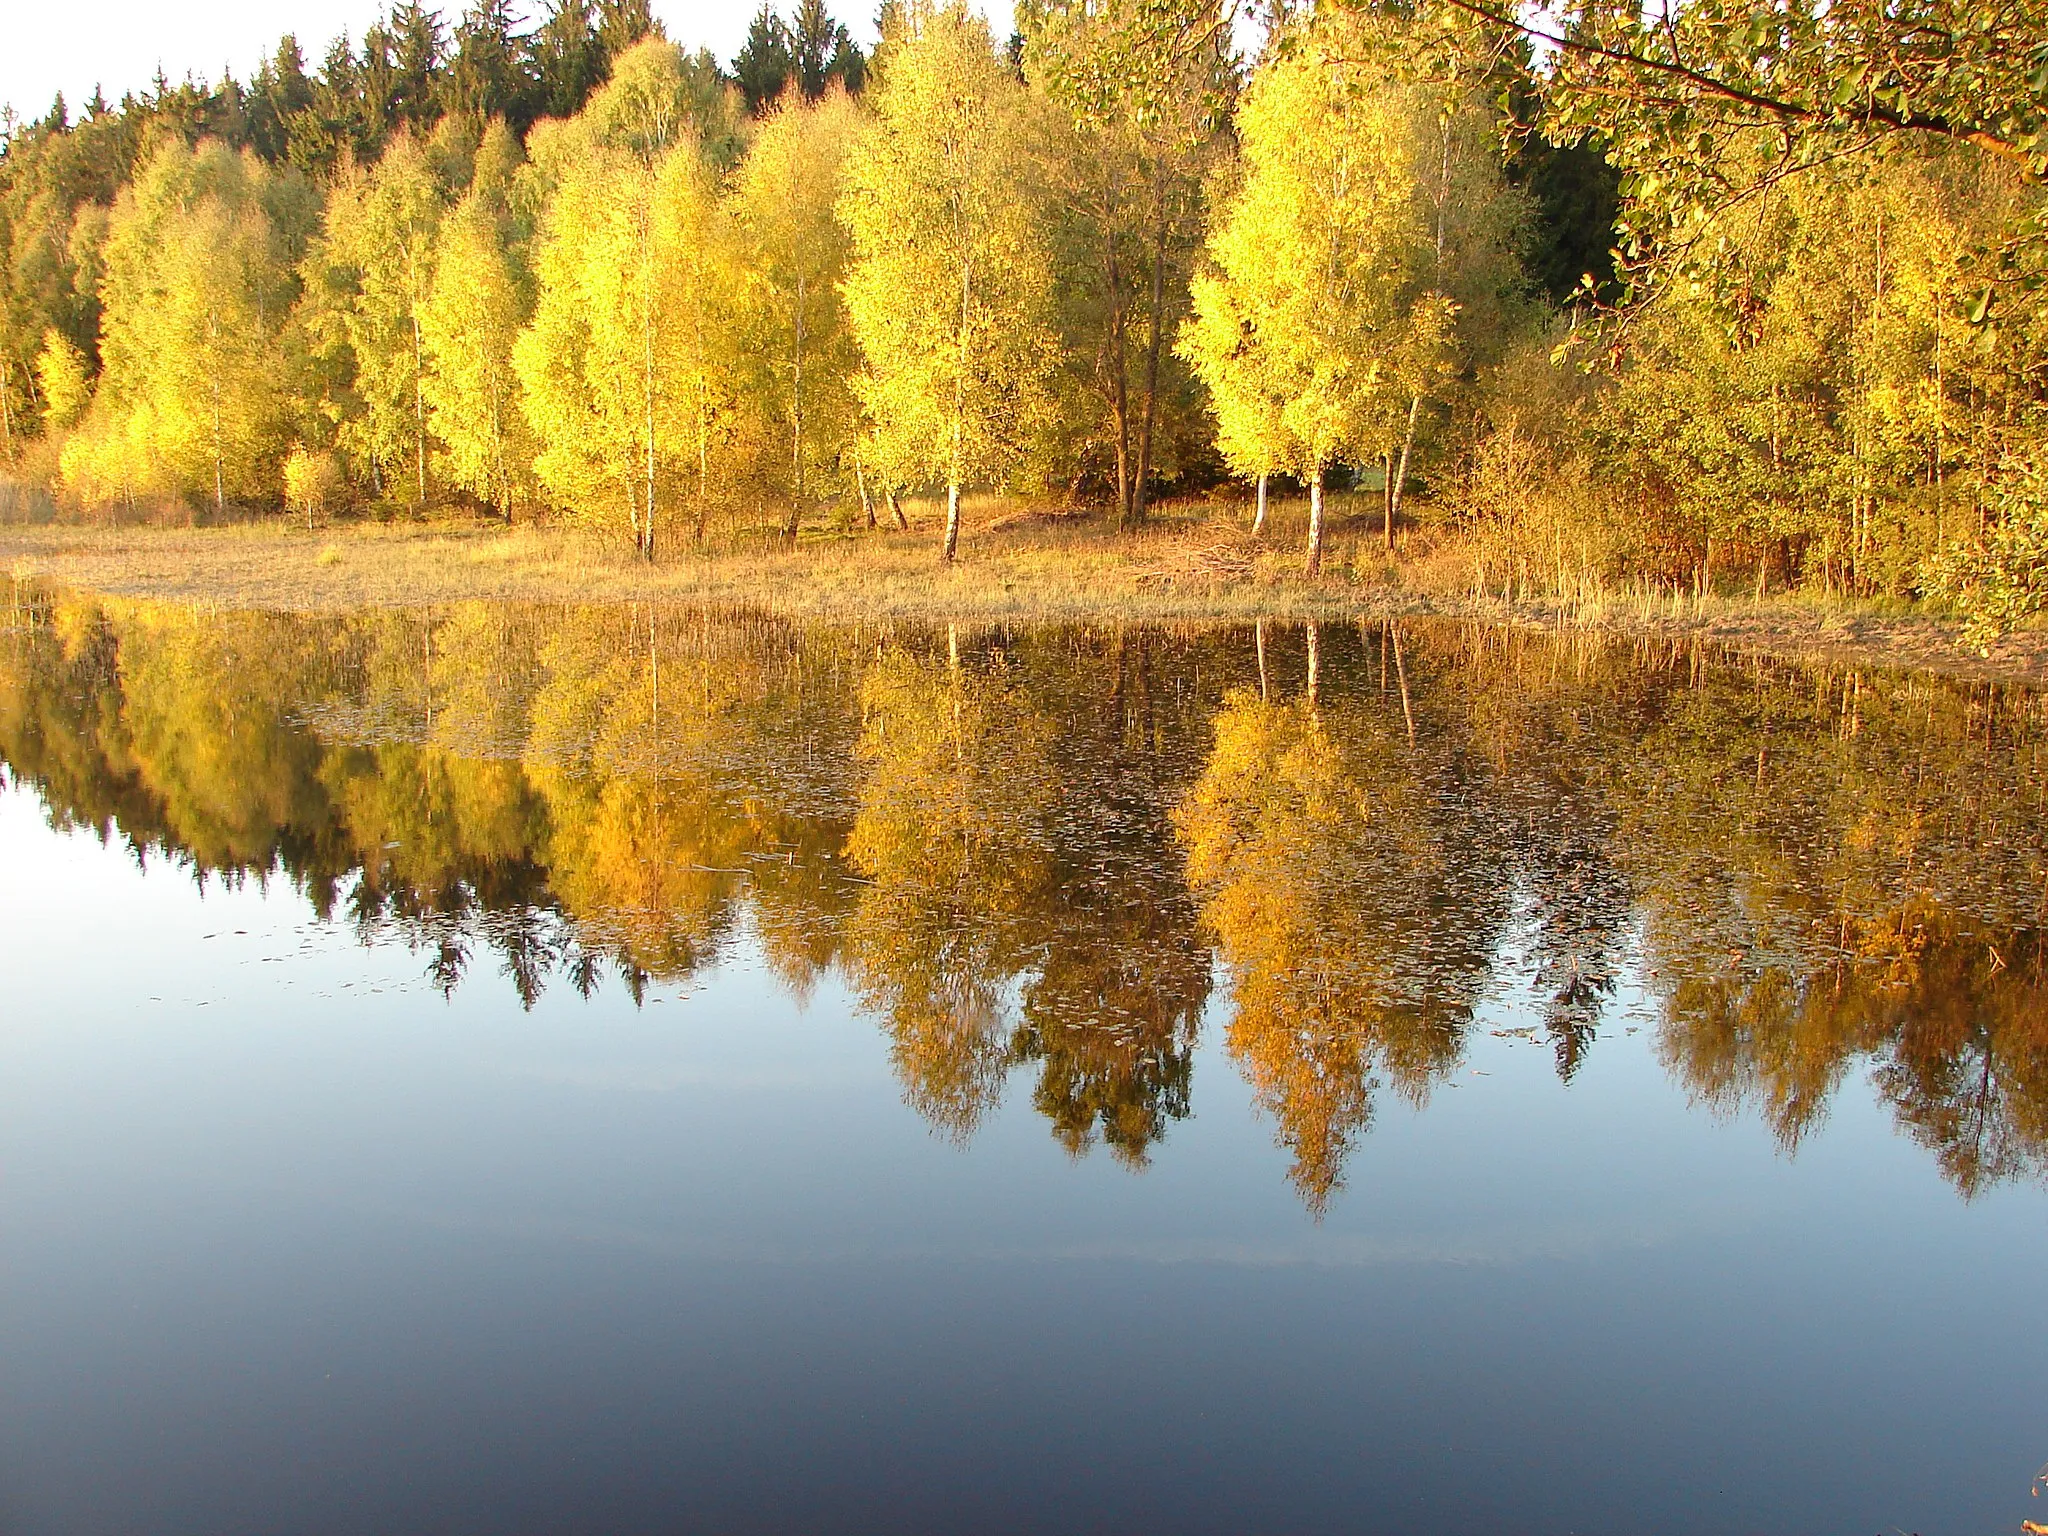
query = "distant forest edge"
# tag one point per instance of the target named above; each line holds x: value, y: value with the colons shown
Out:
x: 1713, y: 292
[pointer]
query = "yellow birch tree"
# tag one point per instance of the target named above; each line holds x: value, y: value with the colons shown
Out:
x: 61, y: 376
x: 196, y: 376
x: 799, y: 352
x: 478, y: 304
x: 1310, y: 320
x: 625, y: 370
x: 372, y: 271
x: 949, y: 293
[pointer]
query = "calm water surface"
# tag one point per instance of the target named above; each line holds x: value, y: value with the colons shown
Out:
x: 570, y: 1070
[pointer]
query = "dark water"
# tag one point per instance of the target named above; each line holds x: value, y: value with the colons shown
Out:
x: 583, y: 1070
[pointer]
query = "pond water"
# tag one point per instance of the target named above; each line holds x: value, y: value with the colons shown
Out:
x: 576, y: 1069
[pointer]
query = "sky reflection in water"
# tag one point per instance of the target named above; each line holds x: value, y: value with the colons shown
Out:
x: 600, y: 1068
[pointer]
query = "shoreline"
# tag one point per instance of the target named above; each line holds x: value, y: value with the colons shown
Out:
x: 1031, y: 571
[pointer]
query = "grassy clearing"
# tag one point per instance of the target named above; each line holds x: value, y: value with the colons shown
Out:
x: 1018, y: 562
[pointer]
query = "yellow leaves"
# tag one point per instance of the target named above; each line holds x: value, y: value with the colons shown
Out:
x: 951, y: 837
x: 1313, y: 329
x: 428, y: 819
x: 1898, y: 939
x: 203, y: 704
x: 1316, y: 875
x: 625, y: 367
x: 195, y: 378
x: 78, y: 623
x: 646, y: 866
x: 958, y: 780
x: 60, y: 372
x: 796, y: 355
x: 786, y: 191
x: 311, y: 480
x: 469, y: 325
x: 949, y: 292
x: 659, y: 98
x: 370, y: 275
x: 1268, y: 825
x: 1274, y: 786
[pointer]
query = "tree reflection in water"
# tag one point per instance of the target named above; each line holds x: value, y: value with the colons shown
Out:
x: 1357, y: 898
x: 1027, y: 851
x: 953, y: 840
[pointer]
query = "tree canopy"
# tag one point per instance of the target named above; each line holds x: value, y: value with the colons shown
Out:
x: 1632, y: 299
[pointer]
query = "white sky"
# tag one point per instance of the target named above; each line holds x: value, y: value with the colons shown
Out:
x: 71, y: 45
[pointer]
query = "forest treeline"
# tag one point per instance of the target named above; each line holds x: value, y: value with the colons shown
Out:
x: 1688, y: 294
x: 1047, y: 853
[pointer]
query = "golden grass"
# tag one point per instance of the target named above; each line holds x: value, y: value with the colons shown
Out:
x: 1027, y: 565
x: 1018, y: 562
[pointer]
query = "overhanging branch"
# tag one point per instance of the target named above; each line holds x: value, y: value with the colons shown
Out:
x: 1785, y: 109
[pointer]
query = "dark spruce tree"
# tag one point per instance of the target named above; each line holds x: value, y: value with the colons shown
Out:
x: 417, y: 48
x: 565, y: 58
x: 821, y: 51
x: 621, y: 24
x: 491, y: 74
x: 1577, y: 198
x: 1575, y: 192
x: 766, y: 60
x: 280, y: 92
x: 810, y: 52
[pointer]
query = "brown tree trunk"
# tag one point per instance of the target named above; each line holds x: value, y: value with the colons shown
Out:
x: 646, y: 531
x: 1139, y: 490
x: 896, y: 506
x: 952, y: 545
x: 1120, y: 381
x: 796, y: 418
x: 419, y: 404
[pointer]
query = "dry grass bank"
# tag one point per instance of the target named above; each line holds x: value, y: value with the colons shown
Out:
x: 1016, y: 564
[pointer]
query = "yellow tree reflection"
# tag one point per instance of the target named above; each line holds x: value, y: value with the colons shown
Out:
x: 1110, y: 1016
x: 1357, y: 919
x: 951, y: 838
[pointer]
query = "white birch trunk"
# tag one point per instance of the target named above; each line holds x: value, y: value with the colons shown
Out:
x: 1314, y: 564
